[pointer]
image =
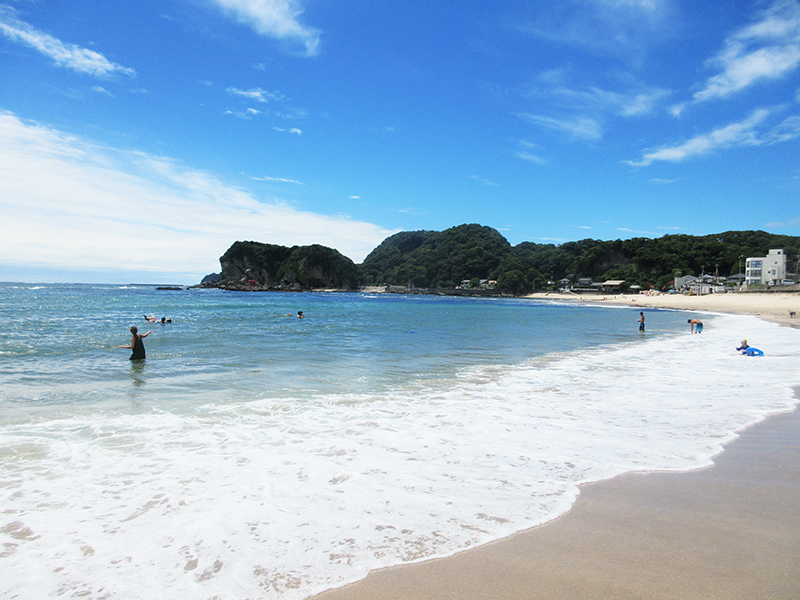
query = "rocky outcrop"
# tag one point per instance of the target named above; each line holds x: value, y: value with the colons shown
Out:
x: 257, y: 266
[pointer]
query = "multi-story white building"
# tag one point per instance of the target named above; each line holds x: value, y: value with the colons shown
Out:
x: 763, y: 270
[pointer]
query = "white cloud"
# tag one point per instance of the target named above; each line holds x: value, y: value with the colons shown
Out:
x: 69, y: 204
x: 641, y: 104
x: 584, y: 128
x: 607, y: 26
x: 532, y: 158
x: 293, y: 130
x: 744, y: 133
x: 278, y: 179
x: 256, y: 94
x: 244, y: 114
x: 66, y: 55
x: 273, y: 18
x: 767, y: 49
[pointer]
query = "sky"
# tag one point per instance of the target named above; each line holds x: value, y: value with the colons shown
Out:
x: 139, y: 140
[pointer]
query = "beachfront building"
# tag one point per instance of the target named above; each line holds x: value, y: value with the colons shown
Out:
x: 613, y: 285
x: 765, y: 270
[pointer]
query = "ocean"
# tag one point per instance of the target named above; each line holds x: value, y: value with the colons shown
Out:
x: 258, y: 455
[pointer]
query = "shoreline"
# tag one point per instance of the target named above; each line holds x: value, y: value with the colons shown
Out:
x: 775, y: 307
x: 727, y: 531
x: 731, y: 530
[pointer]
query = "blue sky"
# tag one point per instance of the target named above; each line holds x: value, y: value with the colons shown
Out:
x: 139, y: 140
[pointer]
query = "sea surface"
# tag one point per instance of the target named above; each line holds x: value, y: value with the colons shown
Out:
x: 258, y: 455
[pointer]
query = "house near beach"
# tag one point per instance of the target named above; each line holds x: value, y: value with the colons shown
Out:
x: 613, y: 285
x: 765, y: 270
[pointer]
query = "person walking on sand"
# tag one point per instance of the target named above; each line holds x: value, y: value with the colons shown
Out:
x: 697, y: 325
x: 137, y: 345
x: 641, y: 322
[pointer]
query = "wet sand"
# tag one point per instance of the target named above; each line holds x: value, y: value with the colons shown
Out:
x: 731, y: 531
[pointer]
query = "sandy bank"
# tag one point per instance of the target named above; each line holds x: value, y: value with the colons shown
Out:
x: 769, y: 306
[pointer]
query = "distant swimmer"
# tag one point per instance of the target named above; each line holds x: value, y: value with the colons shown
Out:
x: 137, y: 345
x: 300, y: 314
x: 155, y: 319
x: 641, y: 321
x: 697, y: 325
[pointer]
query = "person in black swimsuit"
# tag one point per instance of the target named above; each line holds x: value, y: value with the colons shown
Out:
x: 137, y: 345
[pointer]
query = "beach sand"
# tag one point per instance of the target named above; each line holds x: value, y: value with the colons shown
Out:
x: 769, y: 306
x: 730, y: 531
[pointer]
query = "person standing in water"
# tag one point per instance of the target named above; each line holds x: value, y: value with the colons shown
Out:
x: 641, y: 322
x: 696, y: 325
x: 137, y: 345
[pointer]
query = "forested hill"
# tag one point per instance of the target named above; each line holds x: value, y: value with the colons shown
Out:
x: 443, y: 259
x: 468, y: 252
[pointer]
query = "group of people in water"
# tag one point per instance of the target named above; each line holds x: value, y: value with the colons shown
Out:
x: 697, y: 327
x: 137, y: 345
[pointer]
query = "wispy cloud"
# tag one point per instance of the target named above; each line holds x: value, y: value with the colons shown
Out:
x: 246, y: 114
x: 584, y: 128
x: 744, y: 133
x: 482, y: 180
x: 293, y: 130
x: 278, y: 179
x: 617, y: 26
x: 69, y: 203
x: 256, y: 94
x: 63, y: 54
x: 273, y: 18
x: 767, y: 49
x: 525, y: 153
x: 532, y: 158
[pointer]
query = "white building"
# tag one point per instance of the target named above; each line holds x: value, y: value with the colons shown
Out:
x: 763, y: 270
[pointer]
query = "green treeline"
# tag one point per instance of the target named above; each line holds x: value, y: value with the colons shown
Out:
x: 444, y: 259
x: 469, y: 252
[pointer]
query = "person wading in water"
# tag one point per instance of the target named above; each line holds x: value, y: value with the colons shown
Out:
x: 137, y: 345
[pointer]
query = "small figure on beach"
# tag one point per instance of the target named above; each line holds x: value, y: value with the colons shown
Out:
x: 641, y: 321
x: 300, y: 314
x: 137, y: 345
x: 697, y: 325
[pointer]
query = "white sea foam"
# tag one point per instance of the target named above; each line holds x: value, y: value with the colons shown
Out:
x: 284, y: 497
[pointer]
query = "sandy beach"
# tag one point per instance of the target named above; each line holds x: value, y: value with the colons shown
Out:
x: 775, y: 307
x: 730, y: 531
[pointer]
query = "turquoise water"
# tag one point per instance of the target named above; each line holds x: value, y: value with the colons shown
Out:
x: 225, y: 345
x: 257, y: 455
